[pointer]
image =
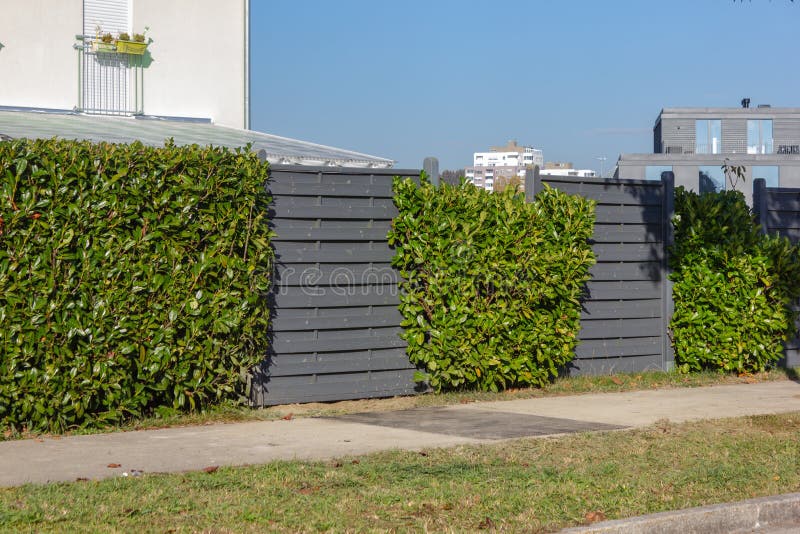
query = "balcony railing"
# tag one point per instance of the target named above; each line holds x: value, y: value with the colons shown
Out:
x: 109, y: 83
x: 740, y: 147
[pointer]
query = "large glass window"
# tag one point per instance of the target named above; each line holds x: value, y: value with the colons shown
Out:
x: 770, y: 173
x: 653, y: 172
x: 708, y: 136
x: 759, y: 136
x: 712, y: 179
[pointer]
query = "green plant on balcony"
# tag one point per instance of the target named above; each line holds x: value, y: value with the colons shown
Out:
x: 136, y: 46
x: 104, y: 43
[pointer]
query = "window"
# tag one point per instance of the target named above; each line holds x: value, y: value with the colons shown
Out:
x: 759, y: 136
x: 653, y: 172
x: 712, y: 179
x: 708, y: 136
x: 770, y: 173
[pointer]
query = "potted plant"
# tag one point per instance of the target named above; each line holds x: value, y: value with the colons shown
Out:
x: 105, y: 43
x: 135, y: 46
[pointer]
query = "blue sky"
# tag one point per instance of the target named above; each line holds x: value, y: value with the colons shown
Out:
x: 578, y: 79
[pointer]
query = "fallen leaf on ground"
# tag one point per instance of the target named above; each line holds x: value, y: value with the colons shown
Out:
x: 595, y: 516
x: 114, y: 466
x: 210, y: 468
x: 309, y: 491
x: 486, y: 523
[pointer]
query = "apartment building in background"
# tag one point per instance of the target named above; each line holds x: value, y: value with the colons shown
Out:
x: 191, y: 83
x: 694, y: 143
x: 565, y: 168
x: 503, y: 165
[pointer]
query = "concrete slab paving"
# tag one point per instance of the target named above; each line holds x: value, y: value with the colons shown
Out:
x: 486, y: 424
x: 192, y: 448
x: 642, y: 408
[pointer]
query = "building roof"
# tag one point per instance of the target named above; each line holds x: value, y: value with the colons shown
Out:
x: 45, y: 124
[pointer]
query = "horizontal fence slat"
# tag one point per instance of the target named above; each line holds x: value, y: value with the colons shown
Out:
x: 289, y: 319
x: 619, y: 328
x: 287, y: 252
x: 600, y: 366
x: 612, y: 252
x: 618, y: 348
x: 341, y: 275
x: 627, y: 214
x: 614, y: 309
x: 361, y: 188
x: 610, y: 193
x: 338, y: 362
x: 343, y: 386
x: 332, y: 212
x: 285, y: 231
x: 642, y: 289
x: 782, y: 219
x: 327, y: 202
x: 648, y: 270
x: 627, y: 233
x: 285, y: 343
x: 789, y: 201
x: 294, y: 297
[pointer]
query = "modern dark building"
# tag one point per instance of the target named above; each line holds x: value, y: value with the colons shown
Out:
x: 694, y: 143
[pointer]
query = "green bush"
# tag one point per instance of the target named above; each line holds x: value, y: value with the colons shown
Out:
x: 491, y: 284
x: 131, y: 279
x: 733, y: 286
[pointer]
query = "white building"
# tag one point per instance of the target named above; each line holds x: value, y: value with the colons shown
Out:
x: 195, y: 65
x: 502, y: 163
x: 579, y: 173
x: 193, y: 78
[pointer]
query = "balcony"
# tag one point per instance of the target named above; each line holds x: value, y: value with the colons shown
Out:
x: 767, y: 146
x: 109, y: 82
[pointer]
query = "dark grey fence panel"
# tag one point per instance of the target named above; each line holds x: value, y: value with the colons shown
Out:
x: 778, y: 212
x: 627, y: 305
x: 335, y: 326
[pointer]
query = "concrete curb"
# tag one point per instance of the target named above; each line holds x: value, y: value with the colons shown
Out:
x: 743, y: 516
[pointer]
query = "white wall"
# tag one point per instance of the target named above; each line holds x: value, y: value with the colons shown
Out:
x: 198, y: 52
x: 38, y: 66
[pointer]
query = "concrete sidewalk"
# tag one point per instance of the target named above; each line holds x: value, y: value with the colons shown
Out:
x: 193, y: 448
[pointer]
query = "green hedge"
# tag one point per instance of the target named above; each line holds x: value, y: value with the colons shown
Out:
x: 130, y: 279
x: 732, y: 288
x: 491, y: 284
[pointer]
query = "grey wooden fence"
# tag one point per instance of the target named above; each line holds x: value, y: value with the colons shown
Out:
x: 628, y: 302
x: 777, y: 210
x: 335, y: 322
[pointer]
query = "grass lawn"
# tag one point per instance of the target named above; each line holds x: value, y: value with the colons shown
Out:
x: 516, y: 486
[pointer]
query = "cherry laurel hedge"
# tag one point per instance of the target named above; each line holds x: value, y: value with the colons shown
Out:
x: 733, y: 286
x: 491, y: 284
x: 131, y: 279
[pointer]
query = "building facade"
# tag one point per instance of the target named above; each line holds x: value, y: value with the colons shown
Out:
x: 503, y: 165
x: 694, y: 143
x: 196, y: 64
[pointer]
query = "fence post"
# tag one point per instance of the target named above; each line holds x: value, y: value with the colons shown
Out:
x: 760, y: 202
x: 668, y: 305
x: 431, y: 167
x: 533, y: 183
